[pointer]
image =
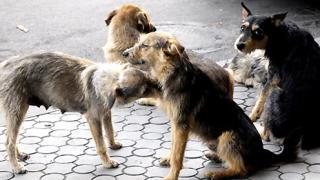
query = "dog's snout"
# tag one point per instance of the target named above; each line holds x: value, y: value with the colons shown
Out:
x: 241, y: 46
x: 125, y: 54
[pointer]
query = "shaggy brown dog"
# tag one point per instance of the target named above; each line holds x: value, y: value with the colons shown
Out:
x: 70, y: 84
x: 126, y: 24
x: 200, y: 105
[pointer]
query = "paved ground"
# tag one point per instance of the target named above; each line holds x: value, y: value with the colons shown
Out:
x: 61, y: 146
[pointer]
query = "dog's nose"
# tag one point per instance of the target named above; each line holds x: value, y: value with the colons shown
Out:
x: 154, y: 29
x: 240, y: 46
x: 125, y: 54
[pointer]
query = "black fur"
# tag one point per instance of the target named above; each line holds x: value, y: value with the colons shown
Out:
x: 297, y: 64
x: 214, y: 112
x: 291, y: 110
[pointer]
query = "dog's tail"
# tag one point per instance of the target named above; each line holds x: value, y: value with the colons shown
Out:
x: 289, y: 152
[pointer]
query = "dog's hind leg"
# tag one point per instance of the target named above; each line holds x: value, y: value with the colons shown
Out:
x: 108, y: 127
x: 14, y: 119
x: 228, y: 151
x: 95, y: 125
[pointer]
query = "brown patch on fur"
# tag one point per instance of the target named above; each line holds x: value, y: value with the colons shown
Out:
x: 126, y: 24
x: 251, y: 45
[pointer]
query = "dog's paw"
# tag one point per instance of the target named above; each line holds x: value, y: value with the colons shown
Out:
x: 146, y: 102
x: 164, y: 161
x: 213, y: 157
x: 20, y: 170
x: 116, y: 146
x: 111, y: 164
x: 211, y: 175
x: 253, y: 116
x: 23, y: 156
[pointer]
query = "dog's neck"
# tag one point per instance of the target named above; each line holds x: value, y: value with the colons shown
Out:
x: 122, y: 37
x: 100, y: 80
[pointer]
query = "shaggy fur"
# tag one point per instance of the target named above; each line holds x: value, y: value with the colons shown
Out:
x: 197, y: 104
x: 250, y: 69
x: 294, y: 63
x: 126, y: 24
x: 70, y: 84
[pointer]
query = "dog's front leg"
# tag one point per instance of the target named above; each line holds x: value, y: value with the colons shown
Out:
x: 97, y: 133
x: 108, y: 127
x: 180, y: 135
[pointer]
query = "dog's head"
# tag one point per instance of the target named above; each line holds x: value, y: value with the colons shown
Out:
x: 134, y: 84
x: 133, y: 16
x: 156, y: 50
x: 256, y: 30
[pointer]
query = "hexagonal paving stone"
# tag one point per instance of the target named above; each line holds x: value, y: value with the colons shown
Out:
x: 144, y: 152
x: 60, y: 133
x: 48, y: 149
x: 30, y: 140
x: 140, y: 161
x: 192, y: 154
x: 156, y: 128
x: 138, y: 119
x: 141, y: 112
x: 77, y: 176
x: 43, y: 125
x: 312, y: 158
x: 88, y: 159
x: 134, y: 170
x: 54, y: 176
x: 152, y: 136
x: 84, y: 169
x: 129, y: 177
x: 59, y: 168
x: 71, y: 117
x: 104, y: 177
x: 292, y: 176
x: 33, y: 167
x: 312, y: 176
x: 127, y: 142
x: 66, y: 125
x: 78, y: 142
x: 294, y: 167
x: 314, y: 168
x: 6, y: 175
x: 159, y: 120
x: 66, y: 159
x: 42, y: 158
x: 133, y: 127
x: 187, y: 172
x: 54, y: 141
x: 75, y: 150
x: 145, y: 143
x: 37, y: 132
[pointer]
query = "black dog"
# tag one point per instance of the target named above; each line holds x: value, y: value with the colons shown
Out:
x: 294, y: 71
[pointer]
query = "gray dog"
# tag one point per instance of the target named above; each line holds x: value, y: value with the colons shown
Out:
x: 70, y: 84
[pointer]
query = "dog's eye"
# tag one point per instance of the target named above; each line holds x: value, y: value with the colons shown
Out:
x: 143, y: 46
x: 242, y: 28
x: 258, y: 33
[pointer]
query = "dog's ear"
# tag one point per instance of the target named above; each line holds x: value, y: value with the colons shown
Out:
x: 172, y: 48
x: 110, y: 16
x: 143, y: 23
x: 277, y: 19
x: 245, y: 11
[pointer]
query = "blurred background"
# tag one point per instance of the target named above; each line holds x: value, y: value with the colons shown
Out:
x: 77, y: 26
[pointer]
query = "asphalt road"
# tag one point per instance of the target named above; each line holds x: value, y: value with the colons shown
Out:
x: 77, y: 26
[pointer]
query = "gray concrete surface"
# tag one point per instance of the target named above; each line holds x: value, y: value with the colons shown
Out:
x: 61, y: 146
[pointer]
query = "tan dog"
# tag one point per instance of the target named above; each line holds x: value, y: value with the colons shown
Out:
x: 70, y: 84
x: 126, y: 24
